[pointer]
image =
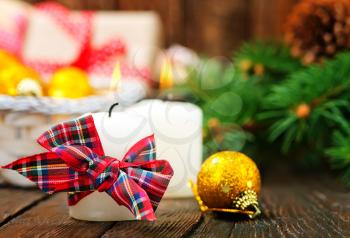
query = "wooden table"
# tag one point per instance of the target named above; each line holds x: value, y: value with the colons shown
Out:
x: 292, y: 207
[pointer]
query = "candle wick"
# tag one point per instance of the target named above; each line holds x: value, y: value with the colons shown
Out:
x: 111, y: 109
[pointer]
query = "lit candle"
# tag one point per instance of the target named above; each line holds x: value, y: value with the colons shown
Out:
x: 177, y: 127
x: 117, y: 134
x: 178, y: 132
x: 116, y: 77
x: 127, y: 88
x: 166, y: 74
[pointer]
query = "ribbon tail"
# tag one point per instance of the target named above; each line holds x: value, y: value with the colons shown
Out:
x: 154, y: 178
x: 125, y: 191
x: 48, y: 171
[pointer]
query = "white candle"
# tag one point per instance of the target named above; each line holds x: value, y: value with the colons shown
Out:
x: 178, y: 133
x: 177, y: 127
x: 117, y: 134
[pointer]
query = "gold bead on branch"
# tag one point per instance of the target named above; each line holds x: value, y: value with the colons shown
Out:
x: 303, y: 111
x: 259, y: 69
x: 247, y: 67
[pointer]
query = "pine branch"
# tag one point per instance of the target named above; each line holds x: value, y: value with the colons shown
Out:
x: 310, y: 102
x: 300, y: 105
x: 267, y: 60
x: 340, y: 154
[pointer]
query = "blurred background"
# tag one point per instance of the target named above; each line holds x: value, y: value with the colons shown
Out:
x: 210, y: 27
x: 271, y: 77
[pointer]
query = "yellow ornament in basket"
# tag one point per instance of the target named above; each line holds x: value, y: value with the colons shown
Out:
x: 12, y: 75
x: 69, y: 82
x: 7, y: 60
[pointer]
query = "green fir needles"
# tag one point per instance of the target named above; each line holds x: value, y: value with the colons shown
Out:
x: 268, y: 98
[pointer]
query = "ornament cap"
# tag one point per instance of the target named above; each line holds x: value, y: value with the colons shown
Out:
x: 246, y: 203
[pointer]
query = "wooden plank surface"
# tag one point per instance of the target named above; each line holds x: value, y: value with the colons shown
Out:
x: 176, y: 218
x: 293, y: 206
x: 15, y: 201
x: 50, y: 219
x: 289, y: 210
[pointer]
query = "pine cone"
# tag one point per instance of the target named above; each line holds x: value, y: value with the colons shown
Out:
x: 318, y: 29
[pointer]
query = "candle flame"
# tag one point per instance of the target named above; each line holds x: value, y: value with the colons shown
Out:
x: 166, y: 75
x: 116, y: 78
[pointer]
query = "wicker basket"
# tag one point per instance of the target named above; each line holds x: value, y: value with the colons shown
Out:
x: 23, y: 119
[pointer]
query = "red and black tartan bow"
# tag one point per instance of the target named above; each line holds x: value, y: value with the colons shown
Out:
x: 77, y: 164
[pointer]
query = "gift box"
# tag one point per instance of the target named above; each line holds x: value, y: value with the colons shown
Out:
x: 47, y: 37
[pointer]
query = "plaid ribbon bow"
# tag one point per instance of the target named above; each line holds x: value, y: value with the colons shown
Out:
x: 76, y: 164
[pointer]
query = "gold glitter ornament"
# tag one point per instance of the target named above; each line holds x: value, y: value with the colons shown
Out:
x: 228, y: 182
x: 69, y: 82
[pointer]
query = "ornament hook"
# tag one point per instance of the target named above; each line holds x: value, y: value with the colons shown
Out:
x: 256, y: 213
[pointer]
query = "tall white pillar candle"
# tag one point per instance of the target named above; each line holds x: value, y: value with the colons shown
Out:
x: 117, y: 134
x: 178, y: 133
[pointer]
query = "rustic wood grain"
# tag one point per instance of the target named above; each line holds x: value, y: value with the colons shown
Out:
x: 15, y: 201
x: 50, y: 219
x: 268, y: 17
x: 175, y: 218
x: 303, y: 208
x: 216, y: 27
x: 170, y: 11
x: 293, y: 206
x: 212, y: 27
